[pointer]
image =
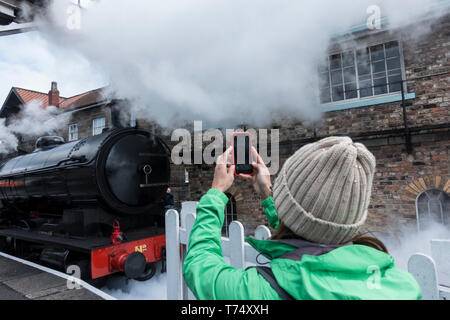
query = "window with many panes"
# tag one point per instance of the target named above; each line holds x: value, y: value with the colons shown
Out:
x: 432, y: 206
x: 73, y: 132
x: 98, y: 125
x: 361, y: 73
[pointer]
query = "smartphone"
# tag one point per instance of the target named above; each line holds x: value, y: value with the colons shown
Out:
x: 242, y: 153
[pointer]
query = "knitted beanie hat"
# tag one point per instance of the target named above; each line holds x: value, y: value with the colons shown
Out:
x: 323, y: 190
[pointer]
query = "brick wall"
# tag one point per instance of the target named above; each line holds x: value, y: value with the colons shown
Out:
x: 392, y: 204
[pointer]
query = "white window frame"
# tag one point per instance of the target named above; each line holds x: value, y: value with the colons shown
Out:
x: 422, y: 217
x: 73, y: 134
x: 96, y: 128
x: 362, y: 44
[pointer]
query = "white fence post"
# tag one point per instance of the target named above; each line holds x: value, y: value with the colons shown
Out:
x: 173, y: 255
x: 440, y: 251
x: 262, y: 233
x: 186, y: 208
x: 237, y: 255
x: 423, y: 269
x: 433, y: 273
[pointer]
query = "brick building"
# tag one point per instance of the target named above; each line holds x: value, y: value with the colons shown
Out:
x: 387, y: 89
x: 90, y: 112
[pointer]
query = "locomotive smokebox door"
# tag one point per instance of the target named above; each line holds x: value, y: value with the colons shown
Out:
x: 135, y: 161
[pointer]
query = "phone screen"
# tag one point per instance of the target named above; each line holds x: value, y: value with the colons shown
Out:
x: 241, y: 153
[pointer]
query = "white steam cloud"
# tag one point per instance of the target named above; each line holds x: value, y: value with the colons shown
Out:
x: 226, y: 62
x: 33, y: 120
x: 153, y: 289
x: 409, y: 241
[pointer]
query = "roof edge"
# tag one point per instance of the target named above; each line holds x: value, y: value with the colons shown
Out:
x: 8, y: 96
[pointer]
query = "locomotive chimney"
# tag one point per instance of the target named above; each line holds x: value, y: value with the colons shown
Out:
x: 53, y: 95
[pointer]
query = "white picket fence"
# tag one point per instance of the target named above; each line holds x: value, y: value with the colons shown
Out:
x: 238, y: 253
x: 432, y: 273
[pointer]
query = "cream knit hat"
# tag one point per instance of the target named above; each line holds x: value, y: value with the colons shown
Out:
x: 323, y: 190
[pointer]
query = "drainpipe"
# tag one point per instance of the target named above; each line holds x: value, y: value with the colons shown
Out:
x: 408, y: 143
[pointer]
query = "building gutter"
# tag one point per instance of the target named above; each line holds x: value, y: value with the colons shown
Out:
x: 17, y: 28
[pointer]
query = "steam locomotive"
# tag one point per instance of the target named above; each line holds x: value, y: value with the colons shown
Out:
x: 94, y: 203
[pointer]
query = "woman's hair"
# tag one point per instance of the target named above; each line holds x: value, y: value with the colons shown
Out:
x: 360, y: 238
x: 370, y: 241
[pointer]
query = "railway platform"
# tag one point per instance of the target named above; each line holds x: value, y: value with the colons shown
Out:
x: 24, y: 280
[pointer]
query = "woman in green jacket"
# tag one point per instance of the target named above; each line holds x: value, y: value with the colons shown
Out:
x: 319, y: 202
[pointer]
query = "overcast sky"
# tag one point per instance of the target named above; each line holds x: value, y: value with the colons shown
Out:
x: 28, y: 61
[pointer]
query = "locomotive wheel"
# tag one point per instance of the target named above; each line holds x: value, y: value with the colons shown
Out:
x: 150, y: 270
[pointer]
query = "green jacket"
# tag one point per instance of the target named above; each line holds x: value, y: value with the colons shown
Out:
x: 348, y: 272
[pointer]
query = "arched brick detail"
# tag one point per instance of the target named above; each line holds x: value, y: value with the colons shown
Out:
x: 412, y: 190
x: 236, y: 193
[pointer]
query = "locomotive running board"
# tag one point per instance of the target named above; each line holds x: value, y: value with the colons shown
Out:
x: 76, y: 244
x: 84, y: 245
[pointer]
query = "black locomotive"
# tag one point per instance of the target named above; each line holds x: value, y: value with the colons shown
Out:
x: 93, y: 202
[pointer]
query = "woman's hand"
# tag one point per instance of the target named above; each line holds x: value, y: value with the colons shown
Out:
x: 261, y: 177
x: 224, y: 173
